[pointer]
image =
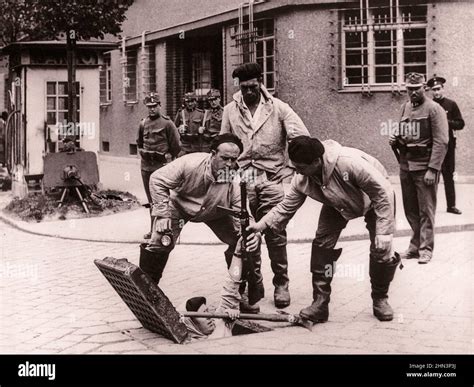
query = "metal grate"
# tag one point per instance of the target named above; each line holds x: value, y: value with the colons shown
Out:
x: 145, y: 299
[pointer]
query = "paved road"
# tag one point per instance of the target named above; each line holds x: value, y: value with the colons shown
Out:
x: 54, y: 300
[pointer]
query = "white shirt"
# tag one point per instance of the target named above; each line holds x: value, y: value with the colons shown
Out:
x: 254, y: 119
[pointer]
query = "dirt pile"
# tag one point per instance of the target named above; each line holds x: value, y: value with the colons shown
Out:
x: 45, y: 207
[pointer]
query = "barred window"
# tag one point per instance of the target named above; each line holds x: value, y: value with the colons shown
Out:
x: 149, y: 69
x: 382, y: 41
x: 201, y: 72
x: 106, y: 80
x: 130, y: 75
x: 255, y: 42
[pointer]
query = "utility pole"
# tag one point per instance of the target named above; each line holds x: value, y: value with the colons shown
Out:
x: 71, y: 80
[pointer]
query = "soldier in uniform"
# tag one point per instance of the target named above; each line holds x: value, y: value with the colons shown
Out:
x: 213, y: 119
x: 455, y: 122
x: 422, y: 142
x: 157, y: 142
x: 189, y: 121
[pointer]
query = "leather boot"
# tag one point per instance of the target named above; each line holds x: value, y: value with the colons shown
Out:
x: 279, y: 264
x: 318, y: 311
x: 381, y: 274
x: 152, y: 262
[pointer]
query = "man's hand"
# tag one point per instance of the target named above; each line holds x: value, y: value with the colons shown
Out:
x: 253, y: 242
x: 182, y: 129
x: 162, y: 225
x: 233, y: 313
x: 201, y: 129
x: 430, y: 177
x: 392, y: 140
x: 383, y: 242
x: 168, y: 157
x: 256, y: 227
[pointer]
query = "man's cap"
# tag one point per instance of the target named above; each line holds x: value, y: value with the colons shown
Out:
x: 193, y: 304
x: 190, y: 96
x: 213, y: 93
x: 226, y: 137
x: 414, y: 80
x: 305, y: 149
x: 247, y: 71
x: 152, y: 99
x: 435, y: 81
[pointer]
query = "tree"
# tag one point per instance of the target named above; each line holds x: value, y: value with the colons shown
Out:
x: 48, y: 19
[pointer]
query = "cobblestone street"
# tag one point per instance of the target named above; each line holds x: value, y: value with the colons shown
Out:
x: 54, y: 300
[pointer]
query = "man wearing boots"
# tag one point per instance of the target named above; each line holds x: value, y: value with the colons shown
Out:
x: 157, y: 143
x: 455, y: 122
x: 264, y: 124
x: 350, y: 184
x: 422, y: 141
x: 190, y: 189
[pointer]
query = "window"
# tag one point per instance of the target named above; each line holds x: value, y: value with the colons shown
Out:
x: 56, y: 102
x: 105, y: 146
x: 106, y: 81
x: 382, y: 41
x: 255, y: 42
x: 201, y: 72
x: 149, y: 70
x: 265, y: 46
x: 130, y: 76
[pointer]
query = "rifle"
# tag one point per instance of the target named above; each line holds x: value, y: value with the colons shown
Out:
x: 244, y: 220
x: 395, y: 152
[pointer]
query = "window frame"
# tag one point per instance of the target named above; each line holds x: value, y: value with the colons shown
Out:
x: 397, y: 25
x: 105, y: 82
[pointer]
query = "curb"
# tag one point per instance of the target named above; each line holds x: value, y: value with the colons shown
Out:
x: 347, y: 238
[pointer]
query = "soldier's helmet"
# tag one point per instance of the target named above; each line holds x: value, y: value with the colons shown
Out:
x: 213, y: 94
x: 189, y: 96
x: 152, y: 99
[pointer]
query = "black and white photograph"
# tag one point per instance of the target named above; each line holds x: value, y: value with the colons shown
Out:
x: 230, y: 177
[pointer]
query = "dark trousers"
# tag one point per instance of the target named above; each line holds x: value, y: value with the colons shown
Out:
x: 419, y: 203
x: 448, y: 168
x: 223, y: 228
x: 263, y: 195
x: 330, y: 225
x: 146, y: 184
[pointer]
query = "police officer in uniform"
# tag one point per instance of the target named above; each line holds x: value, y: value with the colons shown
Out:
x: 422, y: 142
x: 189, y: 121
x: 455, y: 122
x: 157, y: 142
x: 213, y: 119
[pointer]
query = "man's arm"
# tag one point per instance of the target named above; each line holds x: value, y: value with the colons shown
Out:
x: 173, y: 139
x: 140, y: 135
x: 162, y: 181
x: 226, y: 127
x: 279, y: 216
x: 440, y: 134
x: 381, y: 194
x: 292, y: 123
x: 457, y: 122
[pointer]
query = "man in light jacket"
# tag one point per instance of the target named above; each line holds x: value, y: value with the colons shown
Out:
x: 350, y: 184
x: 190, y: 189
x: 264, y: 124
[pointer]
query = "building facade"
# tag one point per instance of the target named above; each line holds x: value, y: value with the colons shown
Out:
x: 339, y: 64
